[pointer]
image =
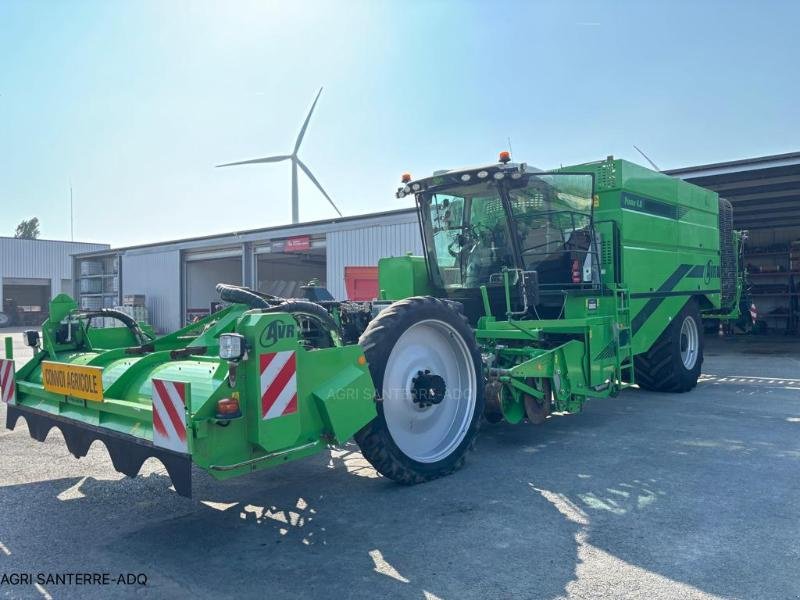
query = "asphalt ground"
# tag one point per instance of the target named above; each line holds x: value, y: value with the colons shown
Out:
x: 644, y: 496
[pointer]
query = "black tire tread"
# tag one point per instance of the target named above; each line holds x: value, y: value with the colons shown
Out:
x: 658, y: 370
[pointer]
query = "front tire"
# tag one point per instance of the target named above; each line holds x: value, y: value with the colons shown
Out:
x: 428, y: 376
x: 673, y: 362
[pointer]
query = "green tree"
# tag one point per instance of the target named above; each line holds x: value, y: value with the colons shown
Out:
x: 28, y: 229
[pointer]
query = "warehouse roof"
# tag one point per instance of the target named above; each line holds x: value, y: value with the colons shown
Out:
x: 277, y: 230
x: 38, y: 240
x: 39, y: 259
x: 764, y: 191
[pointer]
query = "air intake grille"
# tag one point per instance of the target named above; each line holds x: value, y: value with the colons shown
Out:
x: 607, y: 253
x: 606, y: 176
x: 727, y: 254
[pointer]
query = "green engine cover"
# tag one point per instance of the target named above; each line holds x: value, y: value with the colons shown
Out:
x: 402, y: 277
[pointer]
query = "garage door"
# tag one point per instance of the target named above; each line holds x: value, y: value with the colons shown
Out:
x: 283, y: 266
x: 25, y: 301
x: 203, y: 271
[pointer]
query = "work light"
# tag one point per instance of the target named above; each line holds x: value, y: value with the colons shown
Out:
x: 31, y: 338
x: 232, y: 346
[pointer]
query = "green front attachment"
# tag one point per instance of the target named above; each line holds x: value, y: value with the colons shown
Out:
x: 170, y: 385
x: 523, y: 357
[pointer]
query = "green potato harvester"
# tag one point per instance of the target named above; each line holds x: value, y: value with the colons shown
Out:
x: 535, y: 291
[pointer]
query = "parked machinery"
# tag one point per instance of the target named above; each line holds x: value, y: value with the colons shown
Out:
x: 536, y: 291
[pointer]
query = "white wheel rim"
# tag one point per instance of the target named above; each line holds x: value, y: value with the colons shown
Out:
x: 429, y: 434
x: 690, y: 343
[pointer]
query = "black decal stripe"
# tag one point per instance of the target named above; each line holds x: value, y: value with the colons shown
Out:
x: 651, y: 206
x: 652, y: 304
x: 697, y: 272
x: 670, y: 294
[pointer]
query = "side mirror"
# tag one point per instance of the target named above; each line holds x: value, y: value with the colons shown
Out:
x: 31, y: 338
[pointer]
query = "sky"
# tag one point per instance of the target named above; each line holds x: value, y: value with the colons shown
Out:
x: 133, y: 103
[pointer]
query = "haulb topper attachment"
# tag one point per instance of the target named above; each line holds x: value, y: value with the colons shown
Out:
x: 260, y: 383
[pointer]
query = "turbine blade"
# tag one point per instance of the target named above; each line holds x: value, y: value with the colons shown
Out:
x: 647, y: 158
x: 319, y: 186
x: 268, y: 159
x: 305, y: 125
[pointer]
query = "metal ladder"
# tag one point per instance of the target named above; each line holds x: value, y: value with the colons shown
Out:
x: 623, y: 361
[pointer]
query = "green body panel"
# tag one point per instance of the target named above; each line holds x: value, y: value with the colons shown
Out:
x: 668, y: 243
x: 403, y: 277
x: 335, y: 395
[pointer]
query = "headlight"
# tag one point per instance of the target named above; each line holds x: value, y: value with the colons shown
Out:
x: 498, y: 175
x: 232, y: 346
x: 483, y: 174
x: 465, y: 177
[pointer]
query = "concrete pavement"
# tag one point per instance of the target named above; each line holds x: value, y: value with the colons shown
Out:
x: 644, y: 496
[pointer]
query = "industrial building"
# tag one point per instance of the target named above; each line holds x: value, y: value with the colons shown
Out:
x: 178, y: 278
x: 31, y: 273
x: 765, y: 194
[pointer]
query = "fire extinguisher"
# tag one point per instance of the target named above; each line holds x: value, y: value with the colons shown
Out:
x: 576, y: 271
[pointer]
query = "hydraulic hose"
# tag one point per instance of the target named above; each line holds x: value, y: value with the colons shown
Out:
x: 296, y: 307
x: 242, y: 295
x: 306, y: 308
x: 129, y: 322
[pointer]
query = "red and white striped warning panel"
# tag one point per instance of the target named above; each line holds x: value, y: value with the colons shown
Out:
x: 169, y: 415
x: 278, y: 384
x: 7, y: 381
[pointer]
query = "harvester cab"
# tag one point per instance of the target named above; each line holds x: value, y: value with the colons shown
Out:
x: 507, y: 237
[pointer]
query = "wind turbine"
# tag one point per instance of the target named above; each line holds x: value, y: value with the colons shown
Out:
x: 296, y: 162
x: 647, y: 158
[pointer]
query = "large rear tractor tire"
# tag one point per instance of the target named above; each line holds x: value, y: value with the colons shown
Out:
x: 673, y: 363
x: 428, y: 376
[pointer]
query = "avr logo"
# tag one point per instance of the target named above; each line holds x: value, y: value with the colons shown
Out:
x: 712, y: 272
x: 276, y: 331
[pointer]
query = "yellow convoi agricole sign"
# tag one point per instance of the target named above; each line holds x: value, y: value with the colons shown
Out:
x: 77, y: 381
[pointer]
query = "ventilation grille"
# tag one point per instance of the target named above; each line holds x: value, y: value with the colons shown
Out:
x: 493, y: 208
x: 607, y: 253
x: 534, y: 201
x: 727, y: 254
x: 607, y: 176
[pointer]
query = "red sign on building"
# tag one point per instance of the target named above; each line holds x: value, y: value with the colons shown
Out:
x: 301, y: 243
